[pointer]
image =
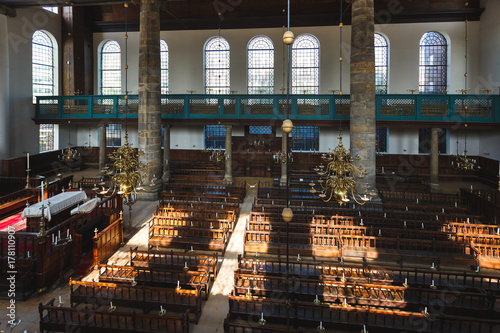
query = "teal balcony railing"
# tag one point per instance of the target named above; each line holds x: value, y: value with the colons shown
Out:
x: 446, y: 108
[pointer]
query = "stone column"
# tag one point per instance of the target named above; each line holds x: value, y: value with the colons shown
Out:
x: 150, y: 94
x: 228, y: 176
x: 166, y: 153
x: 284, y: 150
x: 102, y: 146
x: 362, y: 116
x: 434, y: 185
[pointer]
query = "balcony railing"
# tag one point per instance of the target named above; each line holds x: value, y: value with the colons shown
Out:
x: 446, y: 108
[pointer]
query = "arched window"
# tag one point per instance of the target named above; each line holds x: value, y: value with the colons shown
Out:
x: 433, y: 63
x: 110, y: 69
x: 164, y: 66
x: 260, y: 66
x: 381, y: 64
x: 305, y: 65
x: 217, y: 66
x: 42, y: 65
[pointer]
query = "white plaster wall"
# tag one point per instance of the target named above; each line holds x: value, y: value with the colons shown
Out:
x: 23, y: 133
x: 489, y: 47
x: 4, y: 91
x: 187, y: 137
x: 403, y: 141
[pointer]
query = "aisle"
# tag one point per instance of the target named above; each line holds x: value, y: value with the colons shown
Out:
x: 217, y: 306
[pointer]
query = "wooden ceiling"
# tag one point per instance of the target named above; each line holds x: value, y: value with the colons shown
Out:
x: 105, y: 15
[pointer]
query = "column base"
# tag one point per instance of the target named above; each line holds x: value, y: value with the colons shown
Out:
x: 150, y: 195
x: 435, y: 188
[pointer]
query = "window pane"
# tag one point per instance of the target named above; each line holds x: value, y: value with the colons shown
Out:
x: 305, y: 138
x: 381, y: 143
x: 42, y: 65
x: 260, y: 130
x: 305, y: 65
x: 381, y: 64
x: 260, y: 66
x: 217, y: 66
x: 215, y: 137
x: 46, y: 137
x: 433, y: 63
x: 114, y: 135
x: 164, y: 66
x: 111, y: 68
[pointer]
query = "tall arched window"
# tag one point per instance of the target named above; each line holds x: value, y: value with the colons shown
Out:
x: 260, y: 66
x: 110, y: 69
x: 433, y: 63
x: 164, y: 66
x: 217, y: 66
x: 42, y: 65
x: 381, y: 64
x: 305, y: 65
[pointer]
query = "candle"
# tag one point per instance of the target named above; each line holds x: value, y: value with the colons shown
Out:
x: 316, y: 298
x: 192, y: 248
x: 455, y: 204
x: 321, y: 325
x: 406, y: 280
x: 60, y: 301
x: 59, y: 233
x: 42, y: 192
x: 67, y: 233
x: 178, y: 284
x: 133, y: 279
x: 406, y: 207
x: 27, y: 161
x: 422, y: 225
x: 379, y: 231
x: 28, y: 254
x: 359, y: 212
x: 161, y: 308
x: 364, y: 328
x: 432, y: 265
x: 343, y: 276
x: 298, y: 256
x: 385, y: 214
x: 382, y: 169
x: 185, y: 264
x: 432, y: 283
x: 52, y: 238
x: 498, y: 231
x: 437, y: 217
x: 442, y: 210
x: 471, y: 187
x: 467, y: 220
x: 262, y: 316
x: 417, y: 200
x: 425, y: 310
x: 110, y: 304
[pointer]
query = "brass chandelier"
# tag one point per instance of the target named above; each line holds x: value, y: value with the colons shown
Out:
x: 341, y: 178
x: 281, y: 157
x: 218, y: 156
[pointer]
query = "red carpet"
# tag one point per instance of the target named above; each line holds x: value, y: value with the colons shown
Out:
x: 16, y: 221
x: 85, y: 264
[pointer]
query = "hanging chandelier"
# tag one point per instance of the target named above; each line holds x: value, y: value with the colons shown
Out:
x: 462, y: 161
x: 340, y: 179
x: 69, y: 155
x: 281, y: 157
x: 218, y: 156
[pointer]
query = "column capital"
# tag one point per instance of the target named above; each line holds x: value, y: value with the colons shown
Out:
x: 228, y: 127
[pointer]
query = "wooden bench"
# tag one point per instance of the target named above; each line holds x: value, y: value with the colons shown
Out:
x: 64, y: 319
x: 141, y: 297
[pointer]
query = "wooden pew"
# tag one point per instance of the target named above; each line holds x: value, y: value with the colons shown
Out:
x: 64, y: 319
x: 174, y: 261
x: 140, y: 297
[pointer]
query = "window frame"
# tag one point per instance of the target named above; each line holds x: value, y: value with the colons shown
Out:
x: 117, y: 68
x: 164, y: 58
x: 210, y: 52
x: 50, y: 64
x: 295, y: 60
x: 265, y: 71
x: 425, y: 48
x: 384, y: 49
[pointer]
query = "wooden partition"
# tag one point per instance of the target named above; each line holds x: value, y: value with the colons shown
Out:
x: 108, y: 241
